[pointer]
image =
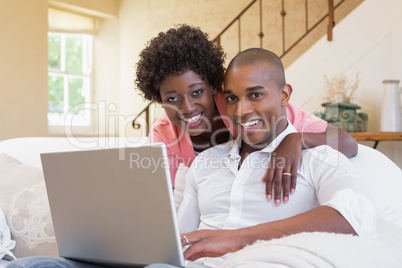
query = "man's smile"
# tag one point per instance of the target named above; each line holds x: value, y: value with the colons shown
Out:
x: 250, y: 124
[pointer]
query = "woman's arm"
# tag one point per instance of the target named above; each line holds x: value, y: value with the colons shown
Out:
x: 288, y: 154
x: 214, y: 243
x: 334, y: 137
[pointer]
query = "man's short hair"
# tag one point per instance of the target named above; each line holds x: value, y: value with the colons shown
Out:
x: 255, y: 55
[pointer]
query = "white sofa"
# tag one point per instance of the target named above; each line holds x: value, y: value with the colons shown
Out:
x: 24, y: 201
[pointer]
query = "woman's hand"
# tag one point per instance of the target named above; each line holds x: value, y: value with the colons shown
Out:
x: 282, y: 169
x: 210, y: 243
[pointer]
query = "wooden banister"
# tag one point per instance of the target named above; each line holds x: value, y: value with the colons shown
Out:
x: 234, y: 20
x: 329, y: 15
x: 330, y: 19
x: 147, y: 112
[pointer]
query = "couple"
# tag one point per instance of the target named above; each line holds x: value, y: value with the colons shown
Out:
x: 232, y: 199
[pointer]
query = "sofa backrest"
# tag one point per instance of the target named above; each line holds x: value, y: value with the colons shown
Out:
x: 27, y: 150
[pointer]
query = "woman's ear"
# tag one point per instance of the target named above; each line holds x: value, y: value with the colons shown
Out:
x: 286, y: 92
x: 214, y: 91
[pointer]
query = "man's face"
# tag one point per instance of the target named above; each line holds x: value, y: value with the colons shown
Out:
x: 255, y: 103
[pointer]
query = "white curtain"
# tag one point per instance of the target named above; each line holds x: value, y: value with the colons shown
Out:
x: 68, y: 22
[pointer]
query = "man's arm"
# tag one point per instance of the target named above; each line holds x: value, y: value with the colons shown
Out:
x: 215, y: 243
x: 345, y: 208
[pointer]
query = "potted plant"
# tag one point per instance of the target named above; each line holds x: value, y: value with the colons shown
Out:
x: 339, y: 109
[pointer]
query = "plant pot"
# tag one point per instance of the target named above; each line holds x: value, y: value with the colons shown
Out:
x: 344, y: 115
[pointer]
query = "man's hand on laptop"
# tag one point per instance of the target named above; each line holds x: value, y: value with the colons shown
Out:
x: 211, y: 243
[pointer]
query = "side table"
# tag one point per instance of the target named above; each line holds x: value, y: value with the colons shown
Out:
x: 376, y: 136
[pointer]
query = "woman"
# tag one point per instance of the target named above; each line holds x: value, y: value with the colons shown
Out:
x: 182, y: 70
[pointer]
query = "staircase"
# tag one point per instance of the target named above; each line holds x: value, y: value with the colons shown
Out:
x: 286, y: 27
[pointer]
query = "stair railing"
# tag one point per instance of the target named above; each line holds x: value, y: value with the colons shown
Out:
x: 217, y: 39
x: 329, y: 15
x: 147, y: 112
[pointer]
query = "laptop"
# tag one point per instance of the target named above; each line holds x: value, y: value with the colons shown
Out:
x: 114, y: 206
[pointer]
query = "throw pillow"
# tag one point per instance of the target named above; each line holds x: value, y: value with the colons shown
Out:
x: 24, y: 202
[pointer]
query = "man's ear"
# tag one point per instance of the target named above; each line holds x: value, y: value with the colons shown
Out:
x: 286, y: 92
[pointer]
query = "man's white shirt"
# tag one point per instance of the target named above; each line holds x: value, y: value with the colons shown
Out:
x: 219, y: 195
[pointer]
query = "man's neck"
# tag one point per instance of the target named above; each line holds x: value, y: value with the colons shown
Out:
x: 246, y: 148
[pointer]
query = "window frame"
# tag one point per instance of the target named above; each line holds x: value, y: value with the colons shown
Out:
x: 68, y: 125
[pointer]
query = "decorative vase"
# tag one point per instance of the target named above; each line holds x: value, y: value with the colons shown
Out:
x: 344, y: 115
x: 391, y: 107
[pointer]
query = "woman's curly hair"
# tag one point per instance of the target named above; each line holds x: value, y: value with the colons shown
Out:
x: 178, y: 50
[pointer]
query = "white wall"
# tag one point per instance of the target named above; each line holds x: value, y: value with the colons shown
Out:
x: 369, y: 42
x: 23, y: 68
x: 134, y: 34
x: 106, y: 76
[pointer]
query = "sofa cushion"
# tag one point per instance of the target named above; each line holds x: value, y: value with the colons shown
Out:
x: 24, y: 201
x: 384, y: 179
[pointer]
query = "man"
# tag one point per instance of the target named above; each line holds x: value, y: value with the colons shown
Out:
x: 223, y: 191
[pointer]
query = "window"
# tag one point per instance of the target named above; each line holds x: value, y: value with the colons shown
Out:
x: 69, y: 79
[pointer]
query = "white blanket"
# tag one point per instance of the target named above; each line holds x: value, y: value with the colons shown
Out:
x: 306, y: 250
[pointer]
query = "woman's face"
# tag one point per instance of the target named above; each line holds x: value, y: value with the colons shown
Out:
x: 188, y: 102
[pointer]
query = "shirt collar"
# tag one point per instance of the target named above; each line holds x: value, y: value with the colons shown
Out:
x: 270, y: 148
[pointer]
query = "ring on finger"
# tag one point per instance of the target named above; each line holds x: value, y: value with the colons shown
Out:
x: 186, y: 239
x: 286, y: 174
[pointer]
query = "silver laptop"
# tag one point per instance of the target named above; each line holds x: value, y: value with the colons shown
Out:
x: 114, y: 206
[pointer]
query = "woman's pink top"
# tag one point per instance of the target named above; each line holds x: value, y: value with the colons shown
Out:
x: 180, y: 148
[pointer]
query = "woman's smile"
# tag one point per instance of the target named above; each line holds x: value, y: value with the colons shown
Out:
x: 194, y: 121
